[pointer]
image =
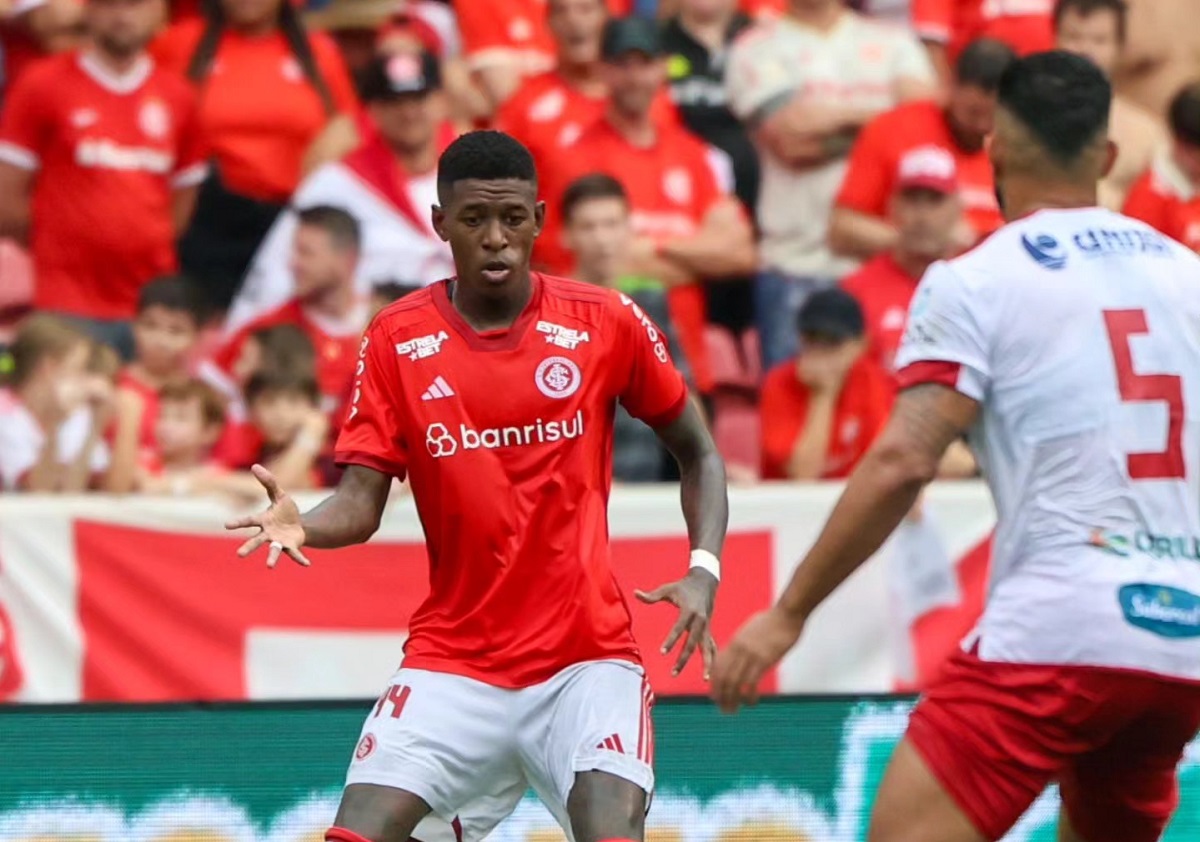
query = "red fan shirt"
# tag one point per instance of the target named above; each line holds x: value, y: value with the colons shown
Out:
x: 506, y: 438
x: 108, y: 152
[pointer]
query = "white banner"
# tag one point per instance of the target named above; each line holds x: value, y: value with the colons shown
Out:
x: 143, y: 599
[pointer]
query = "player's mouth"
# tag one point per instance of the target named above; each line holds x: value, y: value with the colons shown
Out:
x: 496, y: 271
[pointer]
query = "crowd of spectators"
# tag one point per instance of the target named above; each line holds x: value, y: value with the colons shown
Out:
x: 203, y: 204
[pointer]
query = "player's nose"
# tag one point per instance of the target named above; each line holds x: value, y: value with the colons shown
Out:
x: 494, y: 238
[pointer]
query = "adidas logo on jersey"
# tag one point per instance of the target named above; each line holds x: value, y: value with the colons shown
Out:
x: 437, y: 390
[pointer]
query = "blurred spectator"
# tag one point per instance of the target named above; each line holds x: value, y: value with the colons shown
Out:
x: 599, y: 233
x: 31, y: 29
x: 388, y: 185
x: 165, y: 331
x: 859, y: 226
x: 356, y: 27
x: 1162, y: 53
x: 925, y: 210
x: 50, y: 438
x: 268, y: 89
x: 1096, y: 29
x: 548, y: 111
x: 327, y: 306
x: 285, y: 410
x: 698, y: 40
x: 99, y: 162
x: 508, y: 40
x: 1167, y: 195
x: 822, y: 409
x: 806, y: 84
x: 948, y: 26
x: 389, y: 292
x: 689, y: 228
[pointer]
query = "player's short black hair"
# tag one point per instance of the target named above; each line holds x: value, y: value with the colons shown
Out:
x: 1184, y: 114
x: 982, y: 63
x: 1087, y: 8
x: 268, y: 383
x: 1062, y: 99
x: 389, y: 291
x: 590, y: 187
x: 175, y: 293
x: 484, y: 156
x: 340, y: 224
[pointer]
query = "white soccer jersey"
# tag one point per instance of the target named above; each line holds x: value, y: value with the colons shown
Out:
x: 1079, y: 333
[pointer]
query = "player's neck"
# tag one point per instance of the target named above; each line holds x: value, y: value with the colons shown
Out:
x: 117, y: 65
x: 708, y: 30
x: 638, y: 130
x: 484, y: 313
x: 336, y: 303
x: 1025, y: 196
x: 913, y: 265
x: 822, y: 16
x: 584, y: 77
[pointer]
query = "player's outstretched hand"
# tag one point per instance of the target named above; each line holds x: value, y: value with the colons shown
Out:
x: 759, y: 645
x: 279, y: 524
x: 694, y: 596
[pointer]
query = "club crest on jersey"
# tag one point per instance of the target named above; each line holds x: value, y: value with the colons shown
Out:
x: 677, y: 184
x: 558, y: 377
x: 563, y: 337
x: 154, y: 119
x: 422, y: 346
x: 366, y: 746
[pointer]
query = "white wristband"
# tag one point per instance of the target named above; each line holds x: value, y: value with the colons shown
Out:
x: 706, y: 561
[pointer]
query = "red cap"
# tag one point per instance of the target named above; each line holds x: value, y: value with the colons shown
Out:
x: 928, y: 168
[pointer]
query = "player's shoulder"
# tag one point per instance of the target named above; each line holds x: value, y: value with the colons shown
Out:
x: 414, y: 310
x: 583, y: 303
x: 48, y: 73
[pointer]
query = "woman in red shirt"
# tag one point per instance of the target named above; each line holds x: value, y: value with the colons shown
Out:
x: 267, y: 89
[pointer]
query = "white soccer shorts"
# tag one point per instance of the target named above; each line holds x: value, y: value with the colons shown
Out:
x: 471, y: 750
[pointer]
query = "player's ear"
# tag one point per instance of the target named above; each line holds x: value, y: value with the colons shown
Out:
x: 539, y: 217
x: 1110, y: 157
x: 437, y: 217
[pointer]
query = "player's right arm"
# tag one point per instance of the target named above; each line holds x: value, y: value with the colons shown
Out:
x: 24, y: 135
x: 370, y: 446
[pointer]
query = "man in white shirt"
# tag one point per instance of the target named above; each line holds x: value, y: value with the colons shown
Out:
x: 805, y: 83
x: 1067, y: 348
x: 388, y: 184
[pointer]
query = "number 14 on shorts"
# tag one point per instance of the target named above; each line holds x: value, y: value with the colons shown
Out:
x: 397, y: 697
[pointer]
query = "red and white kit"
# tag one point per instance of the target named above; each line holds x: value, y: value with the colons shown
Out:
x: 1079, y: 333
x: 520, y: 667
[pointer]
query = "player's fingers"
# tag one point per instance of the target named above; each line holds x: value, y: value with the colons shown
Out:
x: 656, y: 595
x: 252, y: 545
x: 676, y: 631
x: 244, y: 522
x: 267, y: 479
x: 709, y: 653
x: 730, y: 690
x: 298, y: 557
x: 695, y: 634
x: 274, y: 553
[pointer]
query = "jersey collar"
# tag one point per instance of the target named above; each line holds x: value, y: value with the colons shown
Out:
x: 123, y: 83
x: 504, y: 339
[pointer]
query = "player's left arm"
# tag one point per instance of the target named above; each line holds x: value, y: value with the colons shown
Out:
x: 706, y: 511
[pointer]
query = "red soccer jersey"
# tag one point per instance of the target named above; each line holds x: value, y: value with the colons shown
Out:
x: 148, y: 453
x: 875, y: 164
x: 336, y: 347
x: 884, y: 290
x: 1166, y: 201
x: 506, y: 438
x: 1025, y: 25
x: 108, y: 154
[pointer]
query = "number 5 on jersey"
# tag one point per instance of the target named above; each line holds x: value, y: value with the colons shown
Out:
x: 1134, y: 387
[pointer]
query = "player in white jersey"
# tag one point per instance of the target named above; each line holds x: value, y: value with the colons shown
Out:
x: 1067, y: 348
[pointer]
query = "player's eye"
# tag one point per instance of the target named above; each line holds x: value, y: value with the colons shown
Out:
x: 471, y: 221
x: 515, y: 219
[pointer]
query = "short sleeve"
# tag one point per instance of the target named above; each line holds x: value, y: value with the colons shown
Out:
x: 756, y: 78
x: 912, y: 61
x: 27, y: 125
x: 336, y: 76
x: 192, y: 152
x: 868, y: 180
x: 651, y: 388
x: 372, y: 434
x: 933, y: 20
x: 946, y: 339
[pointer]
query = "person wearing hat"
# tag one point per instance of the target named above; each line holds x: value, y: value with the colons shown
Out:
x: 388, y: 184
x: 925, y: 210
x: 689, y: 228
x: 821, y: 410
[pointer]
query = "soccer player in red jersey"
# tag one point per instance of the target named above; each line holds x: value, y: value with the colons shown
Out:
x: 494, y: 393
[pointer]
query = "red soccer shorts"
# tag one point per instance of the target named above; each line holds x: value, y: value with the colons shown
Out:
x: 996, y: 734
